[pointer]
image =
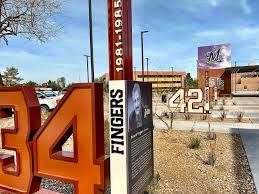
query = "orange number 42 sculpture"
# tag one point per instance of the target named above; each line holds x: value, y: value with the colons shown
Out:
x: 39, y: 148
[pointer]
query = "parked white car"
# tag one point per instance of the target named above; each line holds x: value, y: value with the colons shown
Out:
x: 46, y: 103
x: 52, y: 94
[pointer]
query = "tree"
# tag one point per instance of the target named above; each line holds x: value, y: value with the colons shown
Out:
x: 102, y: 79
x: 61, y: 82
x: 31, y: 83
x: 54, y: 86
x: 1, y: 80
x: 189, y: 82
x: 10, y: 76
x: 33, y: 19
x: 68, y: 86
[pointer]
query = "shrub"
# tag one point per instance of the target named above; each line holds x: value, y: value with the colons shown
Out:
x: 187, y: 116
x: 107, y: 136
x: 223, y: 115
x: 153, y: 184
x: 234, y: 103
x: 240, y: 116
x: 221, y: 108
x: 211, y: 106
x: 204, y: 117
x: 212, y: 155
x: 195, y: 143
x: 224, y: 101
x: 211, y: 135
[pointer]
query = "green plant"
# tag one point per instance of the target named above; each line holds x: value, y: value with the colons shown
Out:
x: 212, y: 155
x: 240, y: 116
x: 223, y: 115
x: 195, y: 143
x: 204, y: 117
x: 224, y: 101
x: 211, y: 135
x: 234, y: 103
x: 221, y: 108
x: 107, y: 136
x: 187, y: 116
x: 153, y: 184
x: 211, y: 106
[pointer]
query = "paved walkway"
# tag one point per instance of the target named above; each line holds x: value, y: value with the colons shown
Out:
x: 250, y: 139
x: 223, y: 127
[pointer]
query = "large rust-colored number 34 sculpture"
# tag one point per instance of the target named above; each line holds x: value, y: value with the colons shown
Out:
x: 39, y: 148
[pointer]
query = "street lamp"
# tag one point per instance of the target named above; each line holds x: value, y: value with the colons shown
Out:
x: 147, y: 68
x: 91, y: 37
x: 172, y: 78
x: 142, y: 52
x: 87, y: 56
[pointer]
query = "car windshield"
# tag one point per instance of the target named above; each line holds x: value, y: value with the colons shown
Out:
x: 50, y: 94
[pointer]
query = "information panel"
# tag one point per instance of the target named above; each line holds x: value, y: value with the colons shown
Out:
x: 131, y: 140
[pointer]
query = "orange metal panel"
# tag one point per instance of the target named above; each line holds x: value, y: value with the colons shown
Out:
x: 87, y: 167
x: 19, y: 177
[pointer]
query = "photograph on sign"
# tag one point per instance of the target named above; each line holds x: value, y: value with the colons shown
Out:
x: 139, y: 106
x: 214, y: 56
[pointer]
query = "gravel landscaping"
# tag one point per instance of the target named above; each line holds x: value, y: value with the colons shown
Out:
x: 182, y: 170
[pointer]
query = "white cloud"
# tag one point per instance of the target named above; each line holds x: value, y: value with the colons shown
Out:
x: 241, y: 33
x: 246, y: 8
x: 214, y: 3
x: 247, y: 32
x: 210, y: 33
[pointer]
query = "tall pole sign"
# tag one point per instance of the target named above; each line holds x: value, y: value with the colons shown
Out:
x: 120, y: 39
x: 207, y: 92
x: 131, y: 124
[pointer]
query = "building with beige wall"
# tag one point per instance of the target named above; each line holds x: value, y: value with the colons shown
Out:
x: 162, y: 79
x: 245, y: 81
x: 165, y: 80
x: 235, y: 79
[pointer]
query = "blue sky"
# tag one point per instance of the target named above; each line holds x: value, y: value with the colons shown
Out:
x: 177, y: 28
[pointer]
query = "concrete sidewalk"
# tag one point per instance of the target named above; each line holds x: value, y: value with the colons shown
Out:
x: 250, y: 139
x: 222, y: 127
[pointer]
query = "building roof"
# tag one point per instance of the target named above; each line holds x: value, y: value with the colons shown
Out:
x: 160, y: 73
x: 155, y: 73
x: 243, y: 69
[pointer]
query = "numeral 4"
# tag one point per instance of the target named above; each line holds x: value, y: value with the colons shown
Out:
x: 178, y: 100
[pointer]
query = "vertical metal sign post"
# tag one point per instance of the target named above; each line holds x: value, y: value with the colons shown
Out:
x: 207, y: 92
x: 120, y: 39
x: 131, y: 121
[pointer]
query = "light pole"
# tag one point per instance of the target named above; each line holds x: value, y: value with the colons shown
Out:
x: 87, y: 67
x: 142, y: 53
x: 135, y: 74
x: 172, y: 78
x: 235, y: 76
x: 147, y: 68
x: 91, y: 37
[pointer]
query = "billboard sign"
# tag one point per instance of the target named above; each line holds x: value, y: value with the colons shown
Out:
x: 131, y: 136
x: 214, y: 57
